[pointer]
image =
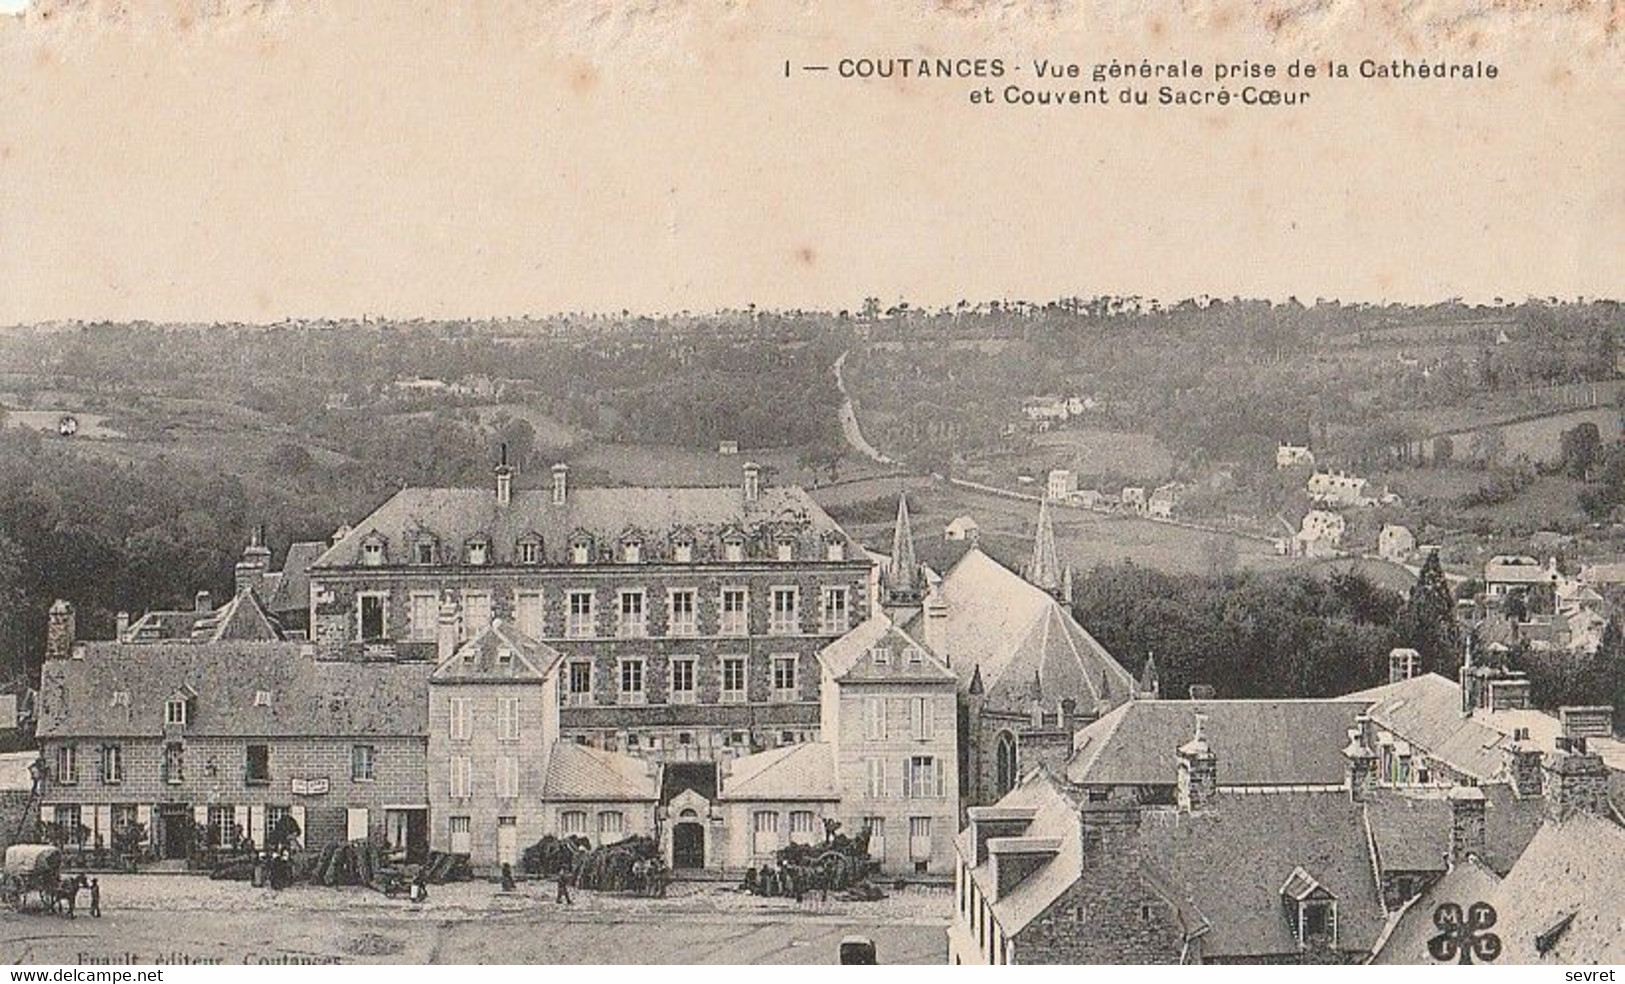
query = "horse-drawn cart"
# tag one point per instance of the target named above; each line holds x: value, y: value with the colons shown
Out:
x: 31, y: 869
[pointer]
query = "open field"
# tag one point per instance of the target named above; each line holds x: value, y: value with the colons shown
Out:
x: 188, y: 919
x: 92, y: 426
x: 1088, y: 451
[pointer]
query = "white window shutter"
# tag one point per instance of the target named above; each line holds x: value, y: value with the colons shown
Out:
x: 256, y: 825
x: 938, y: 779
x: 908, y: 779
x: 240, y: 818
x: 200, y: 815
x: 916, y: 717
x: 298, y: 814
x: 47, y: 813
x: 104, y: 823
x: 143, y: 816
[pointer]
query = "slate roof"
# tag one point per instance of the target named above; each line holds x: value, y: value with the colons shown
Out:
x: 1410, y: 828
x: 1258, y: 742
x: 1426, y: 711
x: 291, y: 590
x: 803, y: 771
x: 1564, y: 901
x: 677, y: 777
x: 1014, y: 635
x: 577, y: 773
x: 307, y: 697
x: 1507, y: 569
x: 241, y: 619
x: 454, y: 516
x: 1056, y: 817
x: 1231, y: 861
x: 851, y: 658
x: 498, y: 654
x: 1405, y: 938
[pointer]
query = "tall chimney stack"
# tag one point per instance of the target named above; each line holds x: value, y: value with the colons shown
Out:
x: 1198, y: 772
x: 60, y: 631
x: 122, y: 628
x: 1466, y: 823
x: 203, y: 603
x: 504, y: 479
x: 753, y: 481
x: 561, y: 473
x: 446, y: 631
x: 256, y: 563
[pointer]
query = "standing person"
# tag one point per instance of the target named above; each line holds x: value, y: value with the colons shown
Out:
x: 96, y: 898
x: 563, y: 897
x: 508, y: 884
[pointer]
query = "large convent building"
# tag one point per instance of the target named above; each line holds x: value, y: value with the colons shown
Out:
x: 722, y: 668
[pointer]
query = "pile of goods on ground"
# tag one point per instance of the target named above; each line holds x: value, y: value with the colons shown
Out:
x: 840, y: 865
x: 359, y: 862
x: 633, y: 864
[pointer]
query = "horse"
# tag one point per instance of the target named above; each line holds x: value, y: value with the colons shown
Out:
x: 67, y: 891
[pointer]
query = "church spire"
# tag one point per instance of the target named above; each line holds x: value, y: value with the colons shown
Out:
x: 1044, y: 569
x: 904, y: 582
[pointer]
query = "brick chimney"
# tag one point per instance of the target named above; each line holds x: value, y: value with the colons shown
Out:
x: 1198, y: 779
x: 936, y: 626
x: 1576, y: 781
x: 753, y: 481
x: 1402, y: 664
x: 122, y: 626
x: 256, y: 562
x: 1595, y: 721
x: 561, y: 475
x: 339, y: 534
x: 203, y: 603
x: 446, y: 631
x: 504, y: 479
x: 1523, y: 769
x: 60, y: 630
x: 1359, y: 761
x: 1466, y: 823
x: 1509, y: 692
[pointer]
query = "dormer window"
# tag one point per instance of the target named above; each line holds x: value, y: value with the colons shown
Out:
x: 175, y: 711
x: 786, y: 550
x: 1311, y: 909
x: 262, y: 698
x: 121, y: 698
x: 632, y: 552
x: 504, y: 656
x: 423, y: 551
x: 835, y: 550
x: 478, y: 553
x: 881, y: 655
x: 529, y: 551
x: 733, y: 549
x: 372, y: 552
x: 581, y: 550
x: 682, y: 550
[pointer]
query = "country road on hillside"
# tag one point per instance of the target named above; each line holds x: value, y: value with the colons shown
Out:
x: 849, y: 419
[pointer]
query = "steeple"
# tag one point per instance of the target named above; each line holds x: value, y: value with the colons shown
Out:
x: 903, y: 582
x: 1044, y: 569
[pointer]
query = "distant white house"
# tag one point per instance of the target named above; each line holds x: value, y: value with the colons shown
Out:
x: 1087, y: 498
x: 1062, y: 483
x: 1293, y: 455
x: 1133, y: 497
x: 1338, y: 489
x: 1320, y: 534
x: 728, y: 448
x: 1395, y: 543
x: 1160, y: 503
x: 962, y: 528
x: 1505, y: 573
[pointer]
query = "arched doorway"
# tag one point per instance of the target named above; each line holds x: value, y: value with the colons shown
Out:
x: 688, y: 842
x: 1004, y: 761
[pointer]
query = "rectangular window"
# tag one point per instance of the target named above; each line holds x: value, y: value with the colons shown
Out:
x: 257, y: 770
x: 786, y: 619
x: 459, y: 724
x: 507, y: 777
x: 579, y: 624
x: 530, y: 552
x: 425, y: 616
x: 123, y: 816
x: 507, y: 719
x: 685, y: 620
x: 784, y: 678
x: 112, y: 764
x: 477, y: 553
x: 174, y: 763
x: 632, y: 681
x: 682, y: 680
x: 835, y: 551
x: 462, y: 832
x: 837, y: 616
x: 67, y: 765
x: 921, y: 718
x: 765, y: 832
x: 363, y: 763
x: 476, y: 612
x: 633, y: 622
x: 573, y: 823
x: 370, y: 617
x: 682, y: 552
x: 528, y: 614
x: 632, y: 552
x: 222, y: 826
x: 803, y: 827
x: 874, y: 718
x: 877, y: 777
x: 734, y: 618
x: 922, y: 777
x: 372, y: 554
x: 580, y: 694
x: 733, y: 679
x: 733, y: 551
x: 458, y: 774
x: 876, y: 826
x: 919, y: 839
x: 424, y: 551
x: 611, y: 824
x: 786, y: 550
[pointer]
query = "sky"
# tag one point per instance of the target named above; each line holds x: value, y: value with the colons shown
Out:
x: 264, y: 159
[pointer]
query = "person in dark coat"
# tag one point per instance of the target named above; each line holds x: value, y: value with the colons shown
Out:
x: 508, y: 884
x: 563, y: 897
x: 95, y: 898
